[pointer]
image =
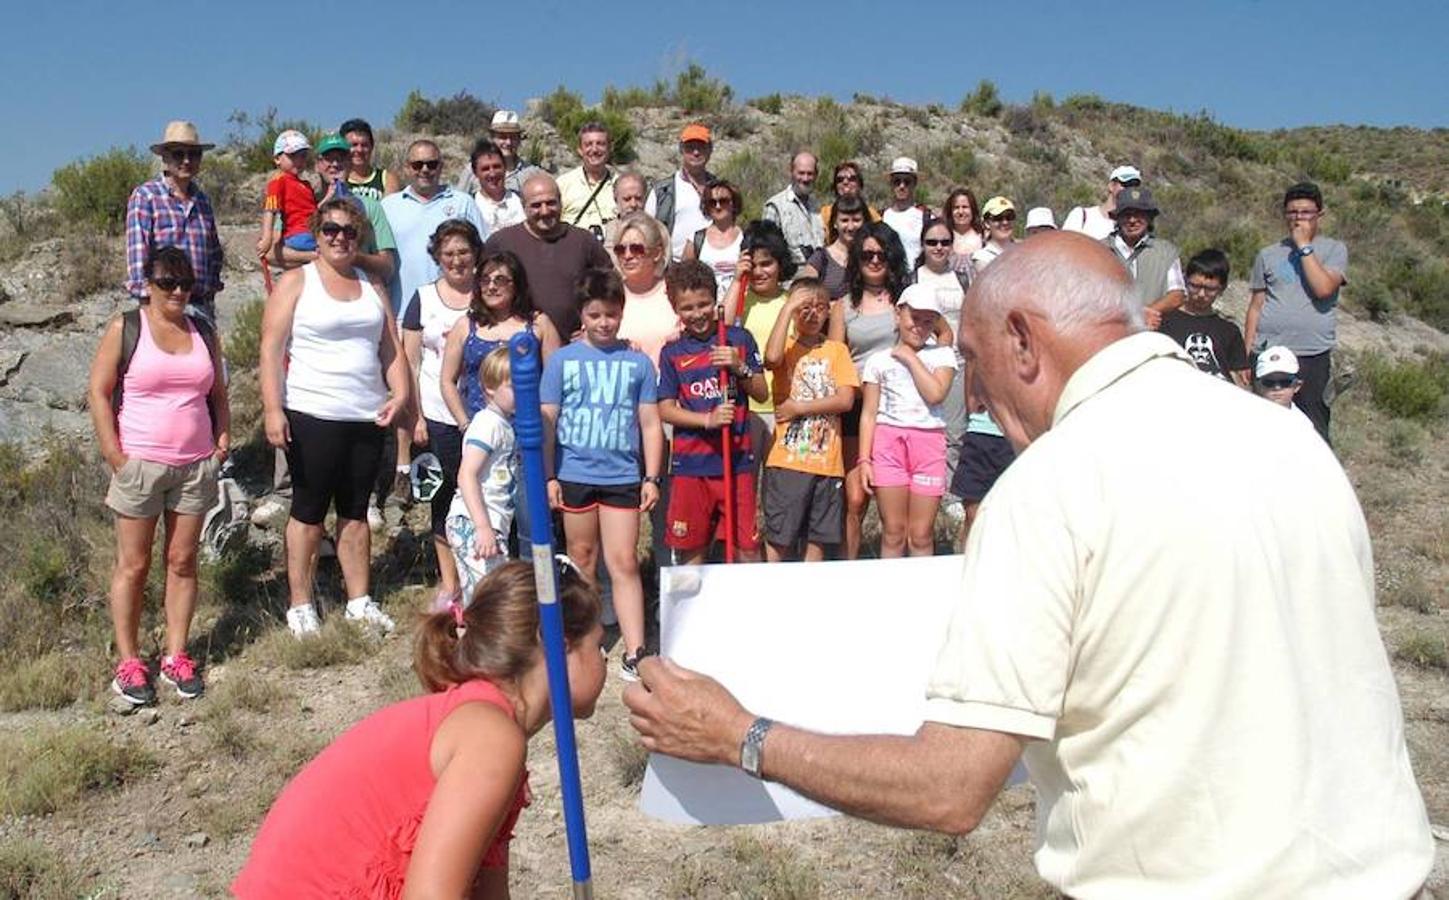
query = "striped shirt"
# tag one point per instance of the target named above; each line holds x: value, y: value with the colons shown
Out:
x: 156, y: 219
x: 686, y: 376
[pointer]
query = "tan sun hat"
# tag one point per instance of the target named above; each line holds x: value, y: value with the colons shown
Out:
x: 179, y: 133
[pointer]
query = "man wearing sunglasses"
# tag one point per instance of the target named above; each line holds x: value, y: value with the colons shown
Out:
x: 1151, y: 261
x: 415, y: 213
x: 677, y: 201
x: 1096, y: 221
x: 796, y: 211
x: 172, y: 210
x: 904, y: 214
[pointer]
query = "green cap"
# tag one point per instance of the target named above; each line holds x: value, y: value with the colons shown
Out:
x: 332, y: 142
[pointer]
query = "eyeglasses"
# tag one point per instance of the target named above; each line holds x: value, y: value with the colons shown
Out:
x: 1301, y: 213
x: 333, y: 229
x: 429, y: 165
x: 842, y: 179
x: 623, y: 250
x: 1007, y: 220
x: 898, y: 180
x: 192, y: 153
x: 937, y: 242
x: 1131, y: 183
x: 720, y: 202
x: 168, y: 284
x: 694, y: 147
x: 1197, y: 287
x: 1277, y: 384
x: 498, y: 280
x: 872, y: 256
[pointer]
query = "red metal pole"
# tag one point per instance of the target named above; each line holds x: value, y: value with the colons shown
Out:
x: 726, y: 442
x: 266, y: 274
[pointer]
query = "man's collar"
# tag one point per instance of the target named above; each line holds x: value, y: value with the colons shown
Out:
x: 442, y: 191
x: 1111, y: 364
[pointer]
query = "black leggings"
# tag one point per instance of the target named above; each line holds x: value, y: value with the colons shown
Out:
x: 1314, y: 370
x: 331, y: 462
x: 446, y: 442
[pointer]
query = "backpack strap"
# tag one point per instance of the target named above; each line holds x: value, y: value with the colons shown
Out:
x: 130, y: 337
x: 699, y: 242
x: 664, y: 201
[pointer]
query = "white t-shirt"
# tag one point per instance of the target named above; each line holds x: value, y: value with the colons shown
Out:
x: 1195, y: 660
x: 1089, y: 220
x: 689, y: 217
x: 907, y: 224
x: 500, y: 214
x: 984, y: 257
x: 722, y: 261
x: 492, y: 434
x: 900, y: 403
x: 434, y: 319
x: 948, y: 293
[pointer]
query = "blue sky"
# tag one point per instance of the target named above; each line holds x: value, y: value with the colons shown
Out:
x: 84, y: 76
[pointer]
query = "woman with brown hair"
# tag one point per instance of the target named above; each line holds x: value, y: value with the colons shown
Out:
x: 847, y: 182
x: 421, y: 797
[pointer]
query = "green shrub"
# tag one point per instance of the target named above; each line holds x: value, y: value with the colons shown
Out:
x: 985, y: 101
x: 461, y: 113
x: 244, y: 338
x: 222, y: 177
x: 251, y: 138
x: 696, y: 91
x: 44, y: 771
x: 621, y: 99
x: 52, y: 681
x: 94, y: 191
x: 560, y: 103
x: 770, y: 103
x: 1322, y: 165
x: 1043, y: 102
x: 1409, y: 390
x: 32, y: 871
x: 756, y: 177
x: 1085, y: 103
x: 1425, y: 650
x: 93, y: 262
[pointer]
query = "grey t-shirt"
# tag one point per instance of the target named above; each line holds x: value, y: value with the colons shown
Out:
x: 1290, y: 316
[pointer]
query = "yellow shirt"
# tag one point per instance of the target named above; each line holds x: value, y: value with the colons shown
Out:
x: 811, y: 444
x: 1195, y: 657
x: 759, y: 320
x: 574, y: 190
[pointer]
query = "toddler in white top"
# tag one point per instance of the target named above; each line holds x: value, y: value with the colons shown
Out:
x: 482, y: 510
x: 903, y: 425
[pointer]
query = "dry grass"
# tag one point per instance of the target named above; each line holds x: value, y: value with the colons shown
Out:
x: 1424, y: 649
x: 339, y: 643
x: 49, y: 770
x: 52, y: 681
x: 30, y: 871
x: 628, y: 757
x: 749, y: 868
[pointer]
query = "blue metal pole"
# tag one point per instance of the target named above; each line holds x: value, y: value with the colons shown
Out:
x: 527, y: 368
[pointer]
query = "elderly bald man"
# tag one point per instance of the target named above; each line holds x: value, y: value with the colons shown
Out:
x: 1192, y: 672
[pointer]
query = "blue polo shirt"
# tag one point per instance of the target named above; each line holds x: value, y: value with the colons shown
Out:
x: 685, y: 375
x: 414, y: 219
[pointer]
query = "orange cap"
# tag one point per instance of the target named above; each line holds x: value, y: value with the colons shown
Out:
x: 695, y: 132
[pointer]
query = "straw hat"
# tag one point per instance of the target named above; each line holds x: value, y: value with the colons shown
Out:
x: 179, y: 133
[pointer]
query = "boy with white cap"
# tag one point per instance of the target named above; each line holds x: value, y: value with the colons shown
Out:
x: 1276, y: 376
x: 289, y: 196
x: 904, y: 214
x: 1096, y: 221
x: 1039, y: 219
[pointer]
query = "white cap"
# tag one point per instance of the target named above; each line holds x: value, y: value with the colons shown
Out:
x: 290, y: 141
x: 1125, y: 174
x: 903, y: 165
x: 1276, y: 361
x: 506, y: 120
x: 918, y: 296
x: 1040, y: 217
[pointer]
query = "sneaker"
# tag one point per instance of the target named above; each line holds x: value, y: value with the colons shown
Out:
x: 375, y: 521
x: 629, y: 665
x: 133, y: 682
x: 180, y: 672
x: 366, y: 610
x: 271, y: 512
x: 402, y: 490
x: 303, y: 620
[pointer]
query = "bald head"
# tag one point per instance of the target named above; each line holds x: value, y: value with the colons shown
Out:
x: 541, y: 206
x: 1035, y: 316
x: 803, y: 169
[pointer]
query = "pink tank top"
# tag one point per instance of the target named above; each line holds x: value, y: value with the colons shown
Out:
x: 163, y: 416
x: 346, y: 825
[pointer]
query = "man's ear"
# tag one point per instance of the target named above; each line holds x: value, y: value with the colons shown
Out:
x: 1023, y: 336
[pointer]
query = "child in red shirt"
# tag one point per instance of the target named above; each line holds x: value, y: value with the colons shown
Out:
x: 289, y: 196
x: 423, y: 795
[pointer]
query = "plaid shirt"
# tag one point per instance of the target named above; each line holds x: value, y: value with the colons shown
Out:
x: 154, y: 219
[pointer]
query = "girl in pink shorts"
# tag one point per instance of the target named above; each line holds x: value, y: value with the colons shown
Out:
x: 903, y: 428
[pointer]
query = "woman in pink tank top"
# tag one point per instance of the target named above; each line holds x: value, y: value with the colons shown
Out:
x: 423, y: 795
x: 164, y: 442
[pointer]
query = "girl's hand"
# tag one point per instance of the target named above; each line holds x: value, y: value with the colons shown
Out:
x: 388, y: 412
x: 116, y: 460
x: 903, y: 352
x: 485, y: 544
x: 555, y: 494
x: 648, y: 496
x: 279, y: 433
x: 420, y: 432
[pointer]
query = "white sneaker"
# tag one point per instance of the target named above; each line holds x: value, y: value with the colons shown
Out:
x: 375, y: 521
x: 303, y: 620
x: 366, y: 610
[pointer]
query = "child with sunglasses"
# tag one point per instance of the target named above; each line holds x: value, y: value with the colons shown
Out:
x: 1276, y: 378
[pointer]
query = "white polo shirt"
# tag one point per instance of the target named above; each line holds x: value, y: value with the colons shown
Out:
x: 1194, y: 650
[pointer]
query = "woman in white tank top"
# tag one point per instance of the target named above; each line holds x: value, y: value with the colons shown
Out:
x: 333, y: 376
x: 718, y: 245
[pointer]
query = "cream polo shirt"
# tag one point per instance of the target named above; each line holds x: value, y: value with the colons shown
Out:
x: 575, y: 189
x: 1194, y: 649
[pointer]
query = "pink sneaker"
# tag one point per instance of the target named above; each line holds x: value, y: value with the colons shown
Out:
x: 180, y: 672
x: 133, y: 682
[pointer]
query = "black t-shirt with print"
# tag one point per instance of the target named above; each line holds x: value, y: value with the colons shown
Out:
x: 1213, y: 342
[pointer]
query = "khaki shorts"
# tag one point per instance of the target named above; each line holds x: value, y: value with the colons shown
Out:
x: 142, y: 489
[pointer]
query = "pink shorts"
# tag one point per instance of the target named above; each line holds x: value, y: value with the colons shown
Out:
x: 912, y: 458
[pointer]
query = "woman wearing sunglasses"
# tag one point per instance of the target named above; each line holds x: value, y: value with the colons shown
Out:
x: 865, y: 320
x: 345, y: 379
x: 999, y: 215
x: 847, y: 182
x: 164, y: 435
x: 642, y: 253
x: 718, y: 245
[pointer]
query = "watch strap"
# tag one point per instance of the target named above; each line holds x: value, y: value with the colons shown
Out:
x: 752, y: 747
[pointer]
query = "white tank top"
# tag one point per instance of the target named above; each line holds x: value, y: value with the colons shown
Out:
x: 722, y: 261
x: 437, y: 319
x: 334, y: 370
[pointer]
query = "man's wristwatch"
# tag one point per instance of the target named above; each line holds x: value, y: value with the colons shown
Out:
x: 753, y: 744
x: 1306, y: 251
x: 654, y: 480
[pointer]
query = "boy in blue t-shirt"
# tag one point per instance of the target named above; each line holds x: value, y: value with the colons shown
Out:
x: 690, y: 400
x: 600, y: 429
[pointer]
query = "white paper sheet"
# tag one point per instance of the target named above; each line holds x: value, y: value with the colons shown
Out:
x: 837, y: 647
